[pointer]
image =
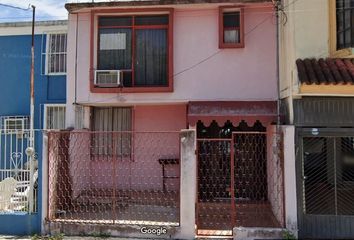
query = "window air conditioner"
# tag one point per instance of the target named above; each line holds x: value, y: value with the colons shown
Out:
x: 108, y: 78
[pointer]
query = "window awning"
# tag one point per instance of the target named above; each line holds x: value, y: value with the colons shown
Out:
x: 235, y: 111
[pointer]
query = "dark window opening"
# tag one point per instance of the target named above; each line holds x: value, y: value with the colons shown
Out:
x: 137, y: 46
x: 345, y: 23
x: 231, y: 28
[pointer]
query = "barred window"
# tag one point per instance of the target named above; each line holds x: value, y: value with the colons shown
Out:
x: 54, y: 116
x: 56, y: 53
x: 345, y: 23
x: 13, y: 124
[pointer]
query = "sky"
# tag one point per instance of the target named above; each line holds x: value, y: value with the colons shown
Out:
x: 45, y: 10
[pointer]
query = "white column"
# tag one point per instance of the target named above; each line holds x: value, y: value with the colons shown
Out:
x: 188, y: 181
x: 44, y: 181
x: 290, y: 179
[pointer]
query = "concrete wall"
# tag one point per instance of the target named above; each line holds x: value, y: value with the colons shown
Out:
x: 274, y: 175
x: 290, y: 179
x: 231, y: 74
x: 304, y: 35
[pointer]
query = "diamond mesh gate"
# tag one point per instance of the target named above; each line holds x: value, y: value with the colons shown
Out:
x: 233, y: 178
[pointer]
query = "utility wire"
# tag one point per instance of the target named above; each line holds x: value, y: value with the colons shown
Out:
x: 14, y: 7
x: 220, y: 50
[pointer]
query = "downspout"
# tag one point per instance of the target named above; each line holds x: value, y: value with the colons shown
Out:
x: 76, y: 41
x: 277, y: 6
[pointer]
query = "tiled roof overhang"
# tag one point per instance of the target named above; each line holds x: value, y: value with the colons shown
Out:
x: 234, y: 111
x: 71, y: 7
x: 325, y: 71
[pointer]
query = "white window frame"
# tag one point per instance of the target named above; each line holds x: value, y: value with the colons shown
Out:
x: 48, y: 36
x: 46, y: 106
x: 7, y: 122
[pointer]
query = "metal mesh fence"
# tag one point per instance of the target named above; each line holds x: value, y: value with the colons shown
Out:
x: 114, y: 177
x: 240, y: 182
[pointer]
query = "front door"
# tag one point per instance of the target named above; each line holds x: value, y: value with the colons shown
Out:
x: 325, y: 173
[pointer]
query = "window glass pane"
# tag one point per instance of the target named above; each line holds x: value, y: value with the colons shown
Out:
x: 151, y: 57
x: 345, y: 22
x: 340, y: 40
x: 231, y: 19
x: 52, y: 43
x: 55, y: 118
x: 347, y: 18
x: 231, y: 36
x: 111, y: 124
x: 62, y: 43
x: 114, y: 49
x: 115, y: 21
x: 127, y: 79
x: 340, y: 22
x: 56, y: 53
x: 348, y: 38
x: 151, y: 20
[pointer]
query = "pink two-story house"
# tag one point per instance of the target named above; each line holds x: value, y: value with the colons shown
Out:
x: 141, y: 71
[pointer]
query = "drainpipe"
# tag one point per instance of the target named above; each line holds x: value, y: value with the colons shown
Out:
x: 76, y: 41
x: 277, y: 6
x: 30, y: 151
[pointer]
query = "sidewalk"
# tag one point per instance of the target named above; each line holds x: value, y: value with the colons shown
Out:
x: 5, y: 237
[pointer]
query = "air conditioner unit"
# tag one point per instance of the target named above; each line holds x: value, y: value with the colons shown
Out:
x: 108, y: 78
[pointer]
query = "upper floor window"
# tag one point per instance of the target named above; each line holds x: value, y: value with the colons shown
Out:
x: 345, y: 23
x: 56, y: 53
x: 231, y: 33
x: 133, y: 51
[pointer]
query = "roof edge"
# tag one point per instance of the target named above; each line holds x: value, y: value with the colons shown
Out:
x: 37, y: 23
x: 72, y: 7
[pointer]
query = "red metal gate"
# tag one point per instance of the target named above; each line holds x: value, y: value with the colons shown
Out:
x: 233, y: 178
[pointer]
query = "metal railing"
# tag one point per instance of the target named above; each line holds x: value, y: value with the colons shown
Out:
x: 18, y: 172
x: 114, y: 177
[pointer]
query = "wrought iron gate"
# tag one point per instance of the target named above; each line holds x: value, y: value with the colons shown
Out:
x: 18, y: 171
x: 326, y: 183
x: 233, y: 184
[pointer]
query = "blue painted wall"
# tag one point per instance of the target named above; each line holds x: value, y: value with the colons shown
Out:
x: 15, y: 63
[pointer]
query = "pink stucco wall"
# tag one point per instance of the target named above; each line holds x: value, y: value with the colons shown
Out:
x: 230, y: 74
x: 142, y: 170
x: 160, y: 118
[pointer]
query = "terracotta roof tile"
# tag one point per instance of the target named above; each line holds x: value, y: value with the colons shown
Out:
x: 325, y: 71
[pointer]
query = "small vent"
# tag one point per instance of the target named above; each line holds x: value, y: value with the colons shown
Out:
x: 108, y: 78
